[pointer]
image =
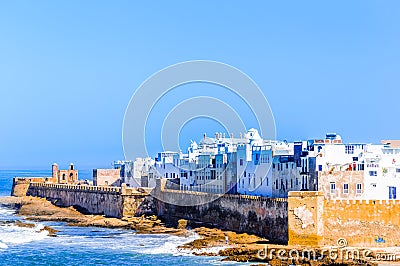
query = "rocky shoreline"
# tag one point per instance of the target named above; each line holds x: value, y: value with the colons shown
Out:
x: 211, y: 242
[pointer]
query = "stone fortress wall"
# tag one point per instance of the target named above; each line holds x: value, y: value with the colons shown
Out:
x: 317, y: 221
x: 262, y: 216
x: 305, y: 218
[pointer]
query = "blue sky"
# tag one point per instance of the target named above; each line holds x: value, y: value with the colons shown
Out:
x: 69, y: 68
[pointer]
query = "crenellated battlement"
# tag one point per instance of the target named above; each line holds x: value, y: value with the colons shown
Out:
x: 332, y: 202
x: 21, y: 186
x: 116, y: 190
x: 227, y: 196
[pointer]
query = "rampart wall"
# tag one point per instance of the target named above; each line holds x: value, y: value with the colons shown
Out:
x: 87, y: 199
x: 305, y: 218
x: 314, y: 220
x: 256, y: 215
x: 264, y: 217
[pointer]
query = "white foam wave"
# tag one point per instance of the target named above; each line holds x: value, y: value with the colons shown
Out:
x: 3, y: 246
x: 4, y: 212
x: 170, y: 245
x: 12, y: 234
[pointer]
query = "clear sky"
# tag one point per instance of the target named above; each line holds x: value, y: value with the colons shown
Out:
x: 69, y: 68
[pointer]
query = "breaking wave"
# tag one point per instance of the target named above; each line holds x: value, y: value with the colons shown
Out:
x: 170, y: 246
x: 12, y: 234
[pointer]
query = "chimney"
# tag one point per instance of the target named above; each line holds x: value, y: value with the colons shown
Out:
x: 241, y: 135
x: 204, y: 136
x: 231, y: 135
x: 216, y: 135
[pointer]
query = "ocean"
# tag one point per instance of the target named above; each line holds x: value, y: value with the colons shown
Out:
x: 86, y: 245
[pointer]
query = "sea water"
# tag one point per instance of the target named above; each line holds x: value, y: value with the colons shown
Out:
x: 86, y: 245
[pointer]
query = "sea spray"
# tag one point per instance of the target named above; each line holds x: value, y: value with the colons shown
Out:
x: 13, y: 234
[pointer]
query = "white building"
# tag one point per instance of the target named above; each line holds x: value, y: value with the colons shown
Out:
x: 382, y: 172
x: 240, y: 165
x: 251, y: 165
x: 352, y: 170
x: 132, y: 172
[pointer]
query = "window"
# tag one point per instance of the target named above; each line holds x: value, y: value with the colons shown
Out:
x: 333, y: 188
x: 276, y: 184
x: 291, y: 183
x: 392, y: 192
x: 320, y: 168
x: 398, y: 170
x: 359, y: 188
x: 273, y: 166
x: 346, y: 188
x: 355, y: 159
x: 287, y: 166
x: 304, y: 183
x: 349, y: 149
x: 373, y: 173
x: 241, y: 162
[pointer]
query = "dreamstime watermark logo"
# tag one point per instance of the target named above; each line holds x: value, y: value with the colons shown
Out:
x: 341, y: 252
x: 151, y: 91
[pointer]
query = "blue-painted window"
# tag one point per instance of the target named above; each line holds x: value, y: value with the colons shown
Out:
x: 392, y: 192
x: 345, y: 188
x: 359, y: 188
x: 373, y: 173
x: 333, y: 188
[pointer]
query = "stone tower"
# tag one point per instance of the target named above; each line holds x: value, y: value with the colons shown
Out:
x: 54, y: 171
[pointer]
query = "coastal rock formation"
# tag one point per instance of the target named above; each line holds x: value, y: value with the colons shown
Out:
x: 39, y: 209
x: 218, y: 238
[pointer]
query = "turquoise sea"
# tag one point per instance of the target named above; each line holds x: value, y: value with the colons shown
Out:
x: 86, y: 245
